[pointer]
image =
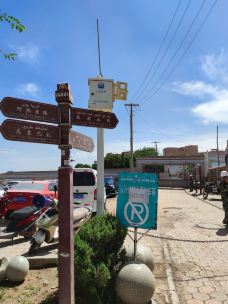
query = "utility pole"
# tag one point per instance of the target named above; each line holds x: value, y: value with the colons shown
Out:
x: 131, y: 106
x: 156, y: 146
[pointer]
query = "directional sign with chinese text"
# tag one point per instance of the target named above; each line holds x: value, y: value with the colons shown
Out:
x: 137, y: 200
x: 31, y: 110
x: 81, y: 142
x: 18, y: 130
x: 90, y: 118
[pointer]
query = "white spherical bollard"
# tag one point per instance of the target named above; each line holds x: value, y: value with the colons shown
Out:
x: 135, y: 284
x: 143, y: 255
x: 5, y: 262
x: 17, y: 269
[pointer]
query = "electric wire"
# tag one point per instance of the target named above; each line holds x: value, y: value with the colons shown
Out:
x: 176, y: 137
x: 169, y: 44
x: 182, y: 56
x: 99, y: 50
x: 158, y: 52
x: 176, y: 52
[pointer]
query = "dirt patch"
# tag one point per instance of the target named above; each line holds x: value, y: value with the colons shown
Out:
x: 36, y: 287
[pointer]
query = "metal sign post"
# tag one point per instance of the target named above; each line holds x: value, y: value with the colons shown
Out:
x: 102, y: 93
x: 100, y: 171
x: 135, y: 244
x: 66, y: 245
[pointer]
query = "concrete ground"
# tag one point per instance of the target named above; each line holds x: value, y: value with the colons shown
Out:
x: 190, y: 268
x: 46, y: 256
x: 199, y: 266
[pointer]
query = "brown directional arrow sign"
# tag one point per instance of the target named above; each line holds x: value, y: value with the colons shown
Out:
x: 81, y: 142
x: 32, y: 110
x: 29, y: 110
x: 91, y: 118
x: 18, y: 130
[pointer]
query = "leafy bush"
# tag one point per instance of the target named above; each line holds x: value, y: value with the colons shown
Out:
x: 98, y: 258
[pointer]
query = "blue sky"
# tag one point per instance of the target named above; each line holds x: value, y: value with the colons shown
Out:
x: 59, y: 45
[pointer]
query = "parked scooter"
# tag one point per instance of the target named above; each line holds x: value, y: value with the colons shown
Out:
x: 47, y: 225
x: 22, y: 221
x: 4, y: 207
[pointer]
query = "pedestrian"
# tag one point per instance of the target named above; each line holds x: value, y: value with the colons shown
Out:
x: 224, y: 194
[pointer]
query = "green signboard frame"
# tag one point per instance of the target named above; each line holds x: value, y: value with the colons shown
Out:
x: 137, y: 200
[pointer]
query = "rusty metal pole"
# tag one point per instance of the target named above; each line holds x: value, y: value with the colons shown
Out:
x: 66, y: 245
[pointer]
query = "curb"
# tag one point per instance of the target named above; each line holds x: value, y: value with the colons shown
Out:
x: 205, y: 201
x: 169, y: 274
x: 38, y: 263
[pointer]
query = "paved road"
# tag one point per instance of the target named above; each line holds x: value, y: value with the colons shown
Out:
x: 200, y: 269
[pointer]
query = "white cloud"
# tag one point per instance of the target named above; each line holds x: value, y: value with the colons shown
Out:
x: 28, y: 88
x: 29, y: 53
x: 195, y: 88
x: 215, y: 105
x: 216, y: 66
x: 215, y: 110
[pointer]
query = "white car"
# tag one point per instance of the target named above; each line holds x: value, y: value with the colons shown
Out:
x: 2, y: 191
x: 85, y: 188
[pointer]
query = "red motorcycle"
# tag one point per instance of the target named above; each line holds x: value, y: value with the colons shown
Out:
x: 22, y: 222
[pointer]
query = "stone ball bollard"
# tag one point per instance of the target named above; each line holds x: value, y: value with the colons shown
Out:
x: 5, y: 262
x: 17, y: 269
x: 135, y: 284
x: 143, y: 255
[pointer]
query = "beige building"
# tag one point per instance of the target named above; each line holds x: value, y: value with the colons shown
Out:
x: 182, y: 151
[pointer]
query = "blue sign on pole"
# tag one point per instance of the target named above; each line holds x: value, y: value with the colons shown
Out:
x: 137, y: 200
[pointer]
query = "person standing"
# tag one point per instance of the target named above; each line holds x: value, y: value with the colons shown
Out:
x: 224, y: 194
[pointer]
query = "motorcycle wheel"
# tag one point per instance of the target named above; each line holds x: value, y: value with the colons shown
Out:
x: 205, y: 194
x: 34, y: 247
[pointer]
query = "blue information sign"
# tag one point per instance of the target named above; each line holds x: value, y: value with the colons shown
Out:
x: 137, y: 200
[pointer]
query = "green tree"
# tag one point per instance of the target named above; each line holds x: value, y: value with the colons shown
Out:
x: 79, y: 165
x: 14, y: 24
x: 145, y: 152
x: 116, y: 160
x: 94, y: 166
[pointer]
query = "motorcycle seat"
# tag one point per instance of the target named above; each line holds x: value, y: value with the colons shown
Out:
x: 79, y: 214
x: 23, y: 213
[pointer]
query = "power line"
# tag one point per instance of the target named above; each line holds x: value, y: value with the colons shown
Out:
x: 182, y: 56
x: 176, y: 52
x: 159, y: 50
x: 173, y: 136
x: 169, y: 44
x: 99, y: 50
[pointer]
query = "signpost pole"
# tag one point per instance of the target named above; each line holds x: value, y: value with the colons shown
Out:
x: 100, y: 171
x: 135, y: 243
x: 66, y: 246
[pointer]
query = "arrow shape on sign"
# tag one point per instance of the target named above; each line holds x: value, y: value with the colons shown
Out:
x: 19, y: 130
x: 81, y: 142
x: 29, y: 110
x: 91, y: 118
